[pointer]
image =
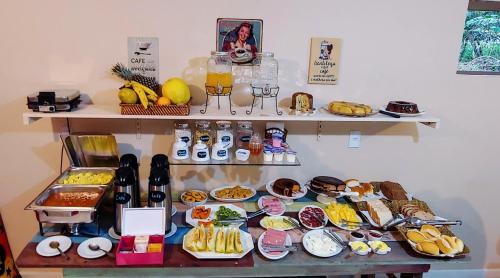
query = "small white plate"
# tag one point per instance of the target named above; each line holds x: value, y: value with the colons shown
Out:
x: 422, y: 112
x: 43, y: 248
x: 85, y: 252
x: 316, y: 235
x: 288, y: 241
x: 277, y: 218
x: 113, y: 234
x: 173, y: 230
x: 212, y: 194
x: 259, y: 204
x: 325, y: 217
x: 302, y: 192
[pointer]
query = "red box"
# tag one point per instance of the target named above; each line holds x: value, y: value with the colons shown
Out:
x: 141, y: 221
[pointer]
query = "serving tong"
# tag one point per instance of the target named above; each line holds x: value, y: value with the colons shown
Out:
x: 294, y: 224
x: 336, y: 238
x: 345, y: 223
x: 244, y: 219
x: 417, y: 222
x: 274, y: 248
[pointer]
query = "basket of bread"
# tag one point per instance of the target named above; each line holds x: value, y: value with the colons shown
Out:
x: 434, y: 241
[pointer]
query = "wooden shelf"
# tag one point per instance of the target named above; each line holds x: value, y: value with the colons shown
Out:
x: 95, y: 111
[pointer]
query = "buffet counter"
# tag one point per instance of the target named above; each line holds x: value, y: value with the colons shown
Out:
x: 179, y: 263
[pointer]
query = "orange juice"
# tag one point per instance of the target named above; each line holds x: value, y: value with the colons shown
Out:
x: 224, y: 79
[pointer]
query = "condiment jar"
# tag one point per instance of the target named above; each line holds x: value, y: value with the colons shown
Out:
x: 225, y: 133
x: 200, y: 152
x: 180, y: 150
x: 219, y: 151
x: 255, y: 145
x: 183, y: 132
x: 203, y: 132
x: 244, y: 134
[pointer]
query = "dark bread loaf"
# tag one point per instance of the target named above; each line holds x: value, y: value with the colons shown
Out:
x: 286, y: 187
x: 393, y: 190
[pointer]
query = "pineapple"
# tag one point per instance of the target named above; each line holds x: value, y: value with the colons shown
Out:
x: 126, y: 74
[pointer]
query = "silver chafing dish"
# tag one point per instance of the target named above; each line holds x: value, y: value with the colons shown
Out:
x: 82, y: 151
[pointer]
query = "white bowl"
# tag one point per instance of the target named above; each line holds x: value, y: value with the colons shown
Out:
x: 193, y: 204
x: 372, y: 238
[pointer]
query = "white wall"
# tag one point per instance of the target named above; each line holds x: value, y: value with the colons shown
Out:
x: 391, y: 50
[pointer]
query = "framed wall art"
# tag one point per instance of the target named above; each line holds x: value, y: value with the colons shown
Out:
x: 241, y: 38
x: 324, y: 61
x: 480, y: 47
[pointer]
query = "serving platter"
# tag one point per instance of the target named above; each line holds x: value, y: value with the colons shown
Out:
x: 314, y: 235
x: 325, y: 217
x: 262, y: 222
x: 288, y: 242
x: 261, y: 206
x: 374, y: 111
x: 422, y: 112
x: 347, y: 228
x: 228, y: 200
x: 302, y: 192
x: 213, y: 209
x: 246, y: 242
x: 444, y: 231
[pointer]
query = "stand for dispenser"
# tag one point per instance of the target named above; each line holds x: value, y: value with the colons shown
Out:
x: 218, y: 92
x: 265, y: 92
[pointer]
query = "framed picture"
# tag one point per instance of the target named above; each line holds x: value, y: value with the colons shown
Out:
x: 241, y: 38
x: 324, y: 61
x: 480, y: 48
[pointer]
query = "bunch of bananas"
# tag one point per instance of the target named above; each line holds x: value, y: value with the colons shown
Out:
x: 147, y: 97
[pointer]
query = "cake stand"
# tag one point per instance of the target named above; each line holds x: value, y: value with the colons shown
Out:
x: 286, y: 199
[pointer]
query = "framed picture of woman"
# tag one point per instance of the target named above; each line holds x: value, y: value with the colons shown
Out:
x: 241, y: 38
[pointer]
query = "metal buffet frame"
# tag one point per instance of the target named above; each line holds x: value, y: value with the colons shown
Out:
x: 218, y: 92
x: 265, y: 92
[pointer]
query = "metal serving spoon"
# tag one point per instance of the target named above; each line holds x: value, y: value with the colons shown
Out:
x: 55, y: 245
x: 96, y: 247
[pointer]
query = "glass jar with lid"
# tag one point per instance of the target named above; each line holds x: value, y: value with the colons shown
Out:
x: 182, y: 132
x: 203, y: 132
x: 225, y: 133
x: 219, y: 73
x: 265, y: 71
x: 244, y: 134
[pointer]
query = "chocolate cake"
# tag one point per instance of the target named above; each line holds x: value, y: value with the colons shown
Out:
x: 402, y: 107
x: 327, y: 184
x: 286, y: 187
x: 393, y: 190
x: 302, y: 102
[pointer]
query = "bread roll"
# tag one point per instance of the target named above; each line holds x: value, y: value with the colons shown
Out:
x: 428, y: 247
x: 444, y: 246
x: 416, y: 236
x: 351, y: 182
x: 430, y: 230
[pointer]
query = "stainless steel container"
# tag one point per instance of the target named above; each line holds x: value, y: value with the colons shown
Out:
x: 124, y: 194
x: 66, y: 214
x: 160, y: 194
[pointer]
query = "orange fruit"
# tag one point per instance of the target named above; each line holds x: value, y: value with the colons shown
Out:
x: 163, y: 101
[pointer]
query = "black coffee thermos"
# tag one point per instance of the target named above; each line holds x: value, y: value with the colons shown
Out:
x: 123, y: 194
x: 159, y: 194
x: 130, y: 160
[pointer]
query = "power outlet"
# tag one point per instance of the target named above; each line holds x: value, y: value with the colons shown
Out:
x: 354, y: 139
